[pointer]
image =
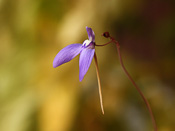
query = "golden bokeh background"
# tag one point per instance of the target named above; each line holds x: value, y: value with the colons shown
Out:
x: 34, y: 96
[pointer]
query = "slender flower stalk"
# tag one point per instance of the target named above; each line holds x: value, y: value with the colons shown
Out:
x: 99, y: 83
x: 106, y: 34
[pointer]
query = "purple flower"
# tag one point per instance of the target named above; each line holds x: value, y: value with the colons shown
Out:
x: 86, y: 51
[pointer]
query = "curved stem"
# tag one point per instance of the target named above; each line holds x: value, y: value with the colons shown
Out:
x: 131, y: 79
x: 99, y: 83
x: 105, y: 44
x: 135, y: 85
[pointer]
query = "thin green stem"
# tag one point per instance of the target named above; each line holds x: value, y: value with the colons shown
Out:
x: 99, y: 83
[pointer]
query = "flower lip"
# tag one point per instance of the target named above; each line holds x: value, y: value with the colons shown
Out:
x: 88, y: 43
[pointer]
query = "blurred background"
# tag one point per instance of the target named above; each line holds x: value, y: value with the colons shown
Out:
x: 34, y: 96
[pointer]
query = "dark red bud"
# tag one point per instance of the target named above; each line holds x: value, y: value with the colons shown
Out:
x: 106, y: 34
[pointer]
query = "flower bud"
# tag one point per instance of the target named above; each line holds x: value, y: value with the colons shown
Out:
x: 106, y: 34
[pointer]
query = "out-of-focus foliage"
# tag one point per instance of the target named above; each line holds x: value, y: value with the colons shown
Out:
x: 36, y: 97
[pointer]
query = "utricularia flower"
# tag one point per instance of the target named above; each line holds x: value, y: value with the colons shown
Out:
x: 86, y: 51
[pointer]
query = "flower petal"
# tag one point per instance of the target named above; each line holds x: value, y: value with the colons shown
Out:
x: 67, y: 54
x: 91, y: 34
x: 86, y: 57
